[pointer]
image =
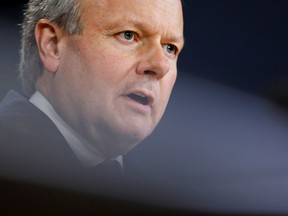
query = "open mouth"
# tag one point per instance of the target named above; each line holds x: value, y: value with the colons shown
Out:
x: 139, y: 98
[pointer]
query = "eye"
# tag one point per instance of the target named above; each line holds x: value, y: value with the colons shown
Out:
x: 128, y: 35
x: 170, y: 49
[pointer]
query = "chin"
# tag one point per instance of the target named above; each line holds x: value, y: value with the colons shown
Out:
x: 119, y: 139
x: 127, y: 141
x: 137, y: 134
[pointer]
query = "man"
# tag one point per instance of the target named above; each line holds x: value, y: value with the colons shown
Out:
x: 97, y: 75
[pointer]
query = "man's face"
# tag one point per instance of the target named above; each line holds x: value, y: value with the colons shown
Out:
x: 114, y: 80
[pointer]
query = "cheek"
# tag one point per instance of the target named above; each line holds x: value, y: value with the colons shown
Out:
x: 167, y: 84
x: 108, y: 67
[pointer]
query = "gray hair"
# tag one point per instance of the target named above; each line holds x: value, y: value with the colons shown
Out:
x: 65, y: 13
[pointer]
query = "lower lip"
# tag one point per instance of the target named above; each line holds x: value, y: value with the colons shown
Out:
x: 138, y: 107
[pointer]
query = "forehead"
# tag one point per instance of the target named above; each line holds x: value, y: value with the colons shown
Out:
x: 163, y: 5
x: 165, y: 15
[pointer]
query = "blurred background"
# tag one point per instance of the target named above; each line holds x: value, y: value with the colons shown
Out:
x: 239, y: 43
x: 227, y: 122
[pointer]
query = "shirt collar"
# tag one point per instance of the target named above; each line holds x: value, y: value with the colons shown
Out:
x: 84, y: 151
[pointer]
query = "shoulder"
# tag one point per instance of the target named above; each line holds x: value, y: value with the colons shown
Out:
x: 18, y: 114
x: 25, y: 131
x: 20, y: 118
x: 22, y: 123
x: 30, y: 142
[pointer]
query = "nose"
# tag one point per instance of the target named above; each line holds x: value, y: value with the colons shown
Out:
x: 154, y: 63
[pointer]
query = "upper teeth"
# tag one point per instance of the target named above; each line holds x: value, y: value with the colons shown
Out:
x: 141, y: 95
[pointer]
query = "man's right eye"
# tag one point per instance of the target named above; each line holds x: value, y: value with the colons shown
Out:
x: 128, y: 35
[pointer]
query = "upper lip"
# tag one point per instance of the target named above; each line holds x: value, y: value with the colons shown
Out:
x: 145, y: 93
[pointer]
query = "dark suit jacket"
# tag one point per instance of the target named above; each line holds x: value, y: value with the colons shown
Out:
x: 38, y: 167
x: 34, y: 150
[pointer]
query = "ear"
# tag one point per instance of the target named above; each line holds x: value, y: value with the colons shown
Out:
x: 47, y: 36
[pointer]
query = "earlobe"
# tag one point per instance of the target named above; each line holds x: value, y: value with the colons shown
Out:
x: 47, y: 37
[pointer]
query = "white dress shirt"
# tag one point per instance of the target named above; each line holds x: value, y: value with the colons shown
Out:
x: 87, y: 153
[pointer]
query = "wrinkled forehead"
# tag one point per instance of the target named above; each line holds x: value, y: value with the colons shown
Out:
x: 158, y: 13
x: 115, y: 2
x: 155, y: 8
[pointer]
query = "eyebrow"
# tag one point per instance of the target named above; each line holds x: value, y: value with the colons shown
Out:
x: 146, y: 28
